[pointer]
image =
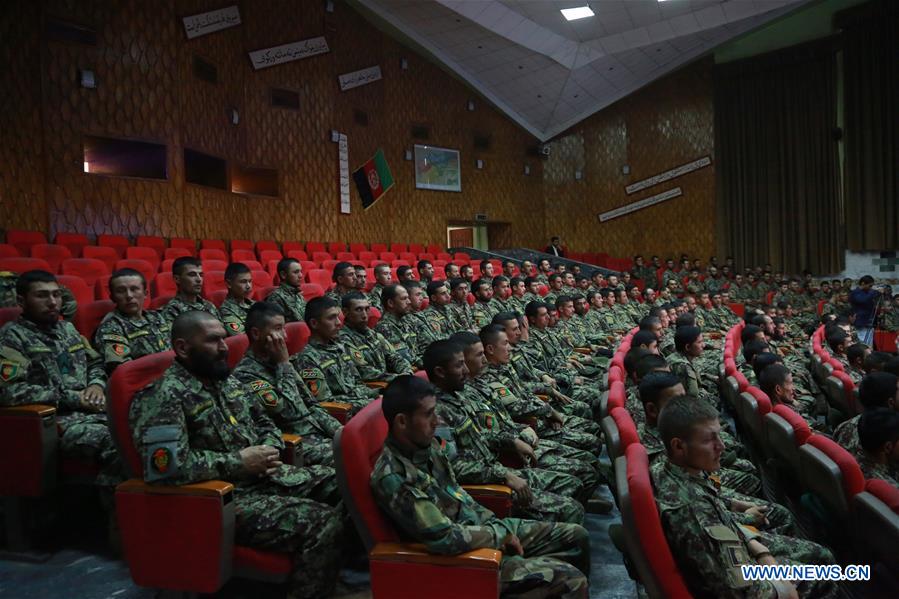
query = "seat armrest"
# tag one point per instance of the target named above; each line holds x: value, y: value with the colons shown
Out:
x: 292, y: 453
x: 337, y: 409
x: 492, y: 490
x: 415, y: 553
x: 37, y: 410
x: 206, y: 488
x: 376, y: 384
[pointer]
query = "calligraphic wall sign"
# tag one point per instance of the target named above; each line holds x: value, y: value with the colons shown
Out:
x: 640, y: 204
x: 343, y: 159
x: 357, y: 78
x: 270, y: 57
x: 668, y: 175
x: 210, y: 22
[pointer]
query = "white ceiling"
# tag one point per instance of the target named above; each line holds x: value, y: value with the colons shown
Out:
x: 547, y: 73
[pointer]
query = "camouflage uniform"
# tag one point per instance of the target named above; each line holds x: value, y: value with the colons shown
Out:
x: 8, y: 297
x: 482, y: 313
x: 290, y: 405
x: 474, y: 449
x: 666, y: 345
x: 689, y: 374
x: 177, y: 306
x: 598, y: 329
x: 709, y: 545
x: 846, y: 434
x: 120, y: 338
x: 374, y: 297
x: 422, y: 498
x: 461, y: 318
x: 291, y: 301
x: 532, y: 379
x: 400, y: 334
x: 429, y: 325
x: 52, y: 366
x: 874, y: 471
x: 330, y: 373
x: 187, y: 432
x: 234, y: 314
x: 375, y: 357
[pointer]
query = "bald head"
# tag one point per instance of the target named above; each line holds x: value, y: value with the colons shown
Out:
x: 187, y: 325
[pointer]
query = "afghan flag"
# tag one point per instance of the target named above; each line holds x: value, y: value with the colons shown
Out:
x: 373, y: 179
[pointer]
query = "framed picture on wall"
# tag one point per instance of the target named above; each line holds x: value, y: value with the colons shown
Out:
x: 437, y: 168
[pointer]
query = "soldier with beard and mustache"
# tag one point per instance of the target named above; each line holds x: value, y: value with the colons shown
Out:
x: 196, y: 423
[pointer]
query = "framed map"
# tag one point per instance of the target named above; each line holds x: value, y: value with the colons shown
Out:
x: 437, y: 168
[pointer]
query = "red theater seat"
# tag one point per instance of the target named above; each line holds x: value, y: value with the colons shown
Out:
x: 261, y: 279
x: 832, y: 474
x: 336, y: 246
x: 374, y: 316
x: 160, y: 301
x: 786, y: 431
x: 311, y: 290
x: 9, y: 314
x: 263, y: 292
x: 147, y: 254
x: 109, y: 256
x: 20, y: 265
x: 297, y: 336
x: 175, y: 253
x: 444, y: 257
x: 89, y: 315
x: 213, y: 280
x: 291, y: 246
x: 315, y: 246
x: 218, y: 297
x: 23, y: 240
x: 387, y: 257
x: 215, y: 254
x: 462, y: 256
x: 116, y: 242
x: 9, y: 251
x: 76, y: 242
x: 266, y: 245
x: 164, y: 285
x: 212, y: 244
x: 297, y: 255
x: 346, y: 256
x: 152, y: 518
x: 237, y: 347
x: 158, y: 244
x: 242, y: 255
x: 319, y: 257
x: 241, y: 244
x: 214, y: 265
x: 885, y: 341
x: 358, y: 248
x: 435, y: 249
x: 378, y: 247
x: 367, y: 257
x: 183, y: 243
x: 52, y: 254
x: 416, y: 248
x: 83, y: 294
x: 252, y: 265
x: 320, y: 277
x: 396, y: 566
x: 619, y: 431
x: 88, y: 269
x: 399, y: 248
x: 266, y: 256
x: 839, y: 390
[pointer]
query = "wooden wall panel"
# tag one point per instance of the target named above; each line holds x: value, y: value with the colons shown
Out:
x: 662, y: 126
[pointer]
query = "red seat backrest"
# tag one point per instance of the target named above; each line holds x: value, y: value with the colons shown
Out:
x: 627, y: 430
x: 88, y: 269
x: 213, y: 265
x: 261, y: 279
x: 147, y: 254
x: 320, y: 277
x: 387, y: 256
x: 297, y: 336
x: 399, y: 248
x: 329, y: 265
x: 185, y: 244
x: 408, y: 257
x: 360, y: 443
x: 291, y: 246
x: 215, y: 254
x: 164, y: 285
x: 378, y: 247
x: 435, y: 249
x: 20, y: 265
x: 175, y: 253
x: 237, y: 347
x: 336, y: 246
x: 742, y: 383
x: 883, y: 491
x: 83, y: 294
x: 263, y: 292
x: 89, y: 315
x: 213, y: 280
x: 367, y: 256
x: 358, y: 248
x: 158, y: 244
x: 320, y: 257
x: 374, y: 315
x: 74, y: 241
x: 649, y: 525
x: 160, y: 301
x: 266, y: 256
x: 266, y: 245
x: 761, y: 398
x: 242, y: 255
x: 141, y: 266
x: 241, y: 244
x: 52, y: 254
x: 416, y: 248
x: 116, y: 242
x: 9, y: 314
x: 617, y: 395
x: 107, y: 255
x: 346, y: 256
x: 9, y: 251
x: 615, y: 373
x: 853, y: 479
x: 801, y: 430
x: 848, y: 387
x: 128, y: 379
x: 23, y: 240
x: 315, y: 246
x: 300, y: 255
x: 212, y: 244
x: 217, y: 297
x: 311, y: 290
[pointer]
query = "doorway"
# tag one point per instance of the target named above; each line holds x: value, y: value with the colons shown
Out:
x: 467, y: 235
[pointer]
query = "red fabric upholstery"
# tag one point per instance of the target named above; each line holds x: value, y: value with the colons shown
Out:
x: 265, y: 245
x: 83, y: 294
x: 117, y: 242
x: 164, y: 284
x: 321, y: 257
x: 209, y: 265
x: 214, y: 254
x: 617, y: 395
x: 23, y: 240
x: 241, y: 244
x: 291, y: 246
x: 742, y: 383
x: 346, y: 256
x: 158, y: 244
x: 218, y: 297
x: 261, y: 279
x: 263, y: 292
x: 408, y: 257
x: 9, y: 314
x: 387, y: 257
x: 853, y: 479
x: 315, y: 246
x: 20, y: 265
x: 378, y: 247
x: 883, y: 491
x: 374, y: 315
x: 761, y: 398
x: 9, y: 251
x: 297, y: 336
x: 174, y: 253
x: 211, y: 244
x: 399, y: 248
x: 158, y: 302
x: 336, y: 246
x: 89, y: 315
x: 237, y: 347
x: 319, y: 277
x: 268, y: 256
x: 108, y: 255
x: 738, y: 309
x: 142, y: 266
x: 148, y: 254
x: 615, y: 373
x: 885, y: 341
x: 88, y: 269
x: 74, y: 241
x: 242, y: 255
x: 52, y: 254
x: 627, y: 430
x: 213, y: 281
x: 649, y: 526
x: 801, y: 430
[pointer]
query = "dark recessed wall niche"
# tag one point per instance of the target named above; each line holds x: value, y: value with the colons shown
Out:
x: 254, y: 181
x: 124, y: 158
x: 59, y: 30
x: 360, y: 117
x: 206, y: 170
x: 285, y: 98
x: 205, y: 70
x: 420, y: 132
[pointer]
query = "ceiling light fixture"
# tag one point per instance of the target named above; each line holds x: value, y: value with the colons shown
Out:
x: 580, y: 12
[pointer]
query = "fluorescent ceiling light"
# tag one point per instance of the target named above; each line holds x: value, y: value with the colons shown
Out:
x: 581, y: 12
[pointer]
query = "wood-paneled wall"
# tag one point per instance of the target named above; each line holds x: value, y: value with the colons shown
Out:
x: 664, y: 125
x: 147, y: 91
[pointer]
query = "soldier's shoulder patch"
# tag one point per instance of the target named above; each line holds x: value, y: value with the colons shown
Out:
x: 260, y: 385
x: 234, y: 326
x: 311, y: 373
x: 9, y: 370
x: 119, y: 349
x: 268, y: 397
x: 326, y: 364
x: 112, y: 338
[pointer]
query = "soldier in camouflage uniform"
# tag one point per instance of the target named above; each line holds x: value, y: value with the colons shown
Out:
x: 484, y: 309
x: 8, y: 295
x: 129, y: 332
x: 44, y: 360
x: 414, y: 484
x: 375, y: 356
x: 714, y: 282
x: 396, y: 325
x: 344, y: 277
x: 877, y: 390
x: 434, y: 322
x: 706, y: 539
x: 196, y: 423
x: 645, y: 273
x: 188, y: 276
x: 502, y: 290
x: 518, y: 290
x: 461, y: 318
x: 382, y: 280
x: 878, y: 439
x: 486, y: 272
x: 325, y: 365
x: 289, y: 294
x: 238, y: 302
x: 265, y: 369
x: 556, y: 284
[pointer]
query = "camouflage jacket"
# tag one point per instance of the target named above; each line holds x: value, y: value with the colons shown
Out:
x: 8, y: 298
x: 291, y: 301
x: 509, y: 392
x: 689, y: 375
x: 482, y: 313
x: 401, y: 334
x: 874, y: 471
x: 46, y: 366
x: 375, y: 357
x: 846, y: 434
x: 234, y: 315
x: 120, y: 339
x: 527, y: 373
x: 177, y: 306
x: 284, y: 397
x: 555, y: 356
x: 420, y: 495
x: 330, y: 373
x: 374, y: 297
x: 652, y: 441
x: 707, y: 543
x: 430, y: 325
x: 461, y: 318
